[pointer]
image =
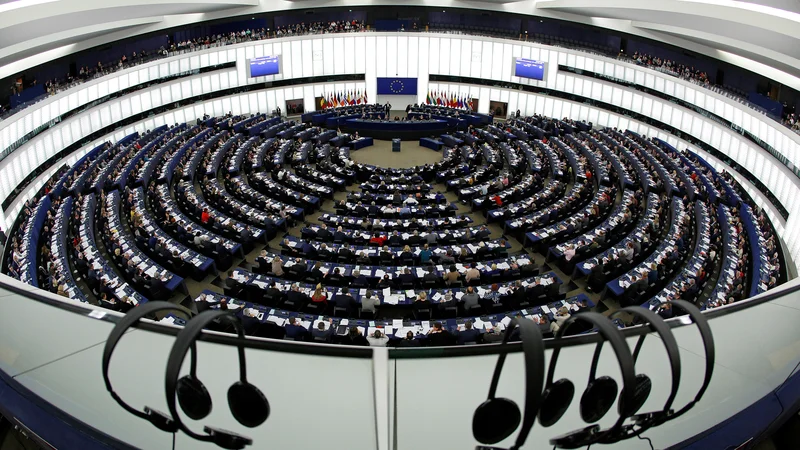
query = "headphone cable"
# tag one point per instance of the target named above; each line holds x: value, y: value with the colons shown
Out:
x: 642, y: 438
x: 173, y: 441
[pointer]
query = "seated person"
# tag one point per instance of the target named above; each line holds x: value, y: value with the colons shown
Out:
x: 354, y: 337
x: 409, y: 341
x: 369, y: 302
x: 320, y: 333
x: 472, y: 273
x: 429, y: 276
x: 452, y: 275
x: 471, y: 299
x: 468, y: 334
x: 295, y: 331
x: 438, y: 336
x: 405, y: 278
x: 378, y: 339
x: 344, y: 300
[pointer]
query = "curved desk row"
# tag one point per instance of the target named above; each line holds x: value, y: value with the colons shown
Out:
x: 389, y: 129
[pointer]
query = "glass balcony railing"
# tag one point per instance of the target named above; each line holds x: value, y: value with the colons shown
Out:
x: 364, y: 398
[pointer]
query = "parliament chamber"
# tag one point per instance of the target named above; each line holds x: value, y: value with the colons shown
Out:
x: 375, y: 182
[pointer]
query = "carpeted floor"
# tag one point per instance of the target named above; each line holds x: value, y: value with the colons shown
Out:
x: 410, y: 154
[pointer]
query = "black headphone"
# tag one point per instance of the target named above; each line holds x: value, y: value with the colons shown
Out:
x: 600, y: 392
x: 649, y: 420
x: 161, y: 420
x: 643, y: 382
x: 247, y: 403
x: 496, y: 418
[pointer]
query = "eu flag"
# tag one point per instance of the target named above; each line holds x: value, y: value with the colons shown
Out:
x: 397, y: 86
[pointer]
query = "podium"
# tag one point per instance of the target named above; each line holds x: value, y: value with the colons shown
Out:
x: 396, y: 145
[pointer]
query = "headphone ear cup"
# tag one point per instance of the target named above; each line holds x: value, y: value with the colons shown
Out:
x: 555, y: 401
x: 643, y: 387
x: 248, y: 404
x: 193, y: 397
x: 494, y: 420
x: 598, y: 398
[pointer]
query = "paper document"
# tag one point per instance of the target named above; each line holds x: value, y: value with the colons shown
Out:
x: 277, y: 320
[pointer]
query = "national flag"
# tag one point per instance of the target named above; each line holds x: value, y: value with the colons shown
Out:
x: 460, y: 103
x: 322, y: 102
x: 348, y: 97
x: 428, y: 98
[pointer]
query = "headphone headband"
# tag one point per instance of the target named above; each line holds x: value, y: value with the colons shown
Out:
x: 131, y: 319
x: 610, y: 333
x: 708, y: 345
x: 533, y: 348
x: 657, y: 324
x: 185, y: 340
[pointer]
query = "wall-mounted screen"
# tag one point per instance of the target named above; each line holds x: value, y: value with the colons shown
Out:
x: 265, y: 65
x: 528, y: 68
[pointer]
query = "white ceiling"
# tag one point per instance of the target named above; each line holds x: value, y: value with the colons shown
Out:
x: 760, y: 35
x: 755, y: 30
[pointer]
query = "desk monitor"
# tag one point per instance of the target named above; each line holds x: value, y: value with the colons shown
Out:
x: 529, y: 68
x: 264, y: 65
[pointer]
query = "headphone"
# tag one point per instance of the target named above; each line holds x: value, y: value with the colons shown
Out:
x: 643, y: 382
x: 655, y: 419
x: 248, y: 405
x: 161, y: 420
x: 496, y: 418
x: 600, y: 391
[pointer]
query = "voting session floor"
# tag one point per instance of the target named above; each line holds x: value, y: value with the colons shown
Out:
x: 411, y: 154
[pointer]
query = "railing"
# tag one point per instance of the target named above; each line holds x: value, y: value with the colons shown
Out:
x: 374, y: 398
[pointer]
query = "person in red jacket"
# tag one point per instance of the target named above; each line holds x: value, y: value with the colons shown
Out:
x: 497, y: 200
x: 378, y: 239
x: 205, y: 216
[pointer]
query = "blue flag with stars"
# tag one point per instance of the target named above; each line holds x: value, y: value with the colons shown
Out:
x: 397, y: 86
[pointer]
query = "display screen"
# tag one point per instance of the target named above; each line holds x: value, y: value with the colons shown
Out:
x: 528, y: 68
x: 265, y: 65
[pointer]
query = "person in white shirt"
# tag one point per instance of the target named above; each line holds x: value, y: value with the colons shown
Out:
x: 377, y: 339
x: 561, y: 316
x: 410, y: 200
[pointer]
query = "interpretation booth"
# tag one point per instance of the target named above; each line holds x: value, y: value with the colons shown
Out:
x: 236, y: 193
